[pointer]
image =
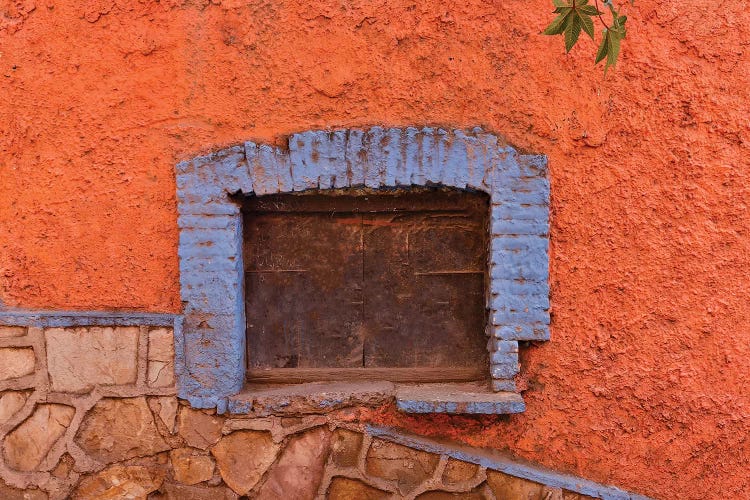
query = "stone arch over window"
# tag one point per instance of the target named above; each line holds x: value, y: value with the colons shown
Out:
x: 210, y: 347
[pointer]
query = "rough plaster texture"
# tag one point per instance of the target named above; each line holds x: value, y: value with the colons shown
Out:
x: 644, y: 382
x: 210, y: 363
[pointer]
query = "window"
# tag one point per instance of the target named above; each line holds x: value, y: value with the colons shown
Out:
x: 361, y: 306
x: 366, y: 284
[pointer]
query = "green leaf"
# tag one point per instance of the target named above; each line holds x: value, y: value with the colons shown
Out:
x: 572, y: 33
x: 587, y: 24
x: 557, y: 26
x: 613, y: 49
x: 560, y: 3
x: 589, y: 9
x: 603, y: 47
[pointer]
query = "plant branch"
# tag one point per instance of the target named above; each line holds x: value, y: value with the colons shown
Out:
x: 600, y: 15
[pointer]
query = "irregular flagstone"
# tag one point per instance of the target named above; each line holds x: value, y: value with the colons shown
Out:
x: 79, y: 358
x: 119, y: 482
x: 395, y: 462
x: 27, y: 445
x: 10, y: 493
x: 166, y: 409
x: 299, y: 470
x: 64, y: 467
x: 200, y: 430
x: 16, y: 362
x: 345, y: 447
x: 118, y: 429
x: 506, y: 486
x: 10, y: 403
x: 457, y: 471
x: 475, y: 494
x: 191, y: 466
x: 243, y: 457
x: 171, y: 491
x: 343, y: 488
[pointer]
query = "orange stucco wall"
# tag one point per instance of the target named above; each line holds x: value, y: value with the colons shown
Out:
x: 645, y: 383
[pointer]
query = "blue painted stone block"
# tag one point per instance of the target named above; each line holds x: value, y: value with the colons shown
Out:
x: 504, y: 370
x: 521, y: 332
x: 504, y: 358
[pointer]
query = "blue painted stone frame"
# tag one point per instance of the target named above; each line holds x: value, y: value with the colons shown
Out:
x: 210, y: 348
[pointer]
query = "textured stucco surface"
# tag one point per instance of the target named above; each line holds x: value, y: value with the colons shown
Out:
x: 644, y: 382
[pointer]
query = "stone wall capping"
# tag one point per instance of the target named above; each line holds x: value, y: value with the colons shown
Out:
x: 66, y: 319
x: 503, y: 462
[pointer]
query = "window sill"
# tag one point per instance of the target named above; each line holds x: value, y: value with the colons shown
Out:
x: 325, y: 397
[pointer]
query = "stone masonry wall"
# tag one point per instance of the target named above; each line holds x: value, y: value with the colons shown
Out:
x: 90, y: 412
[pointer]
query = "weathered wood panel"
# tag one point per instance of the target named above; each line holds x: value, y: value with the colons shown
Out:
x: 303, y: 293
x: 370, y: 280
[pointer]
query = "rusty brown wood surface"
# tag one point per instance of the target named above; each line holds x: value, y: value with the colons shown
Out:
x: 415, y: 375
x: 366, y: 281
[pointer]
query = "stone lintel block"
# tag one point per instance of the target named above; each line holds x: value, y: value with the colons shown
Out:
x: 520, y: 302
x: 187, y: 207
x: 518, y: 272
x: 499, y: 345
x: 16, y: 362
x: 502, y: 245
x: 504, y: 370
x: 520, y: 288
x: 521, y: 332
x: 504, y: 385
x: 504, y: 358
x: 512, y: 178
x: 80, y: 358
x: 456, y: 161
x: 520, y: 226
x: 520, y: 197
x: 205, y: 266
x: 206, y: 221
x: 210, y: 236
x: 515, y: 317
x: 267, y: 169
x: 374, y: 167
x: 517, y: 211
